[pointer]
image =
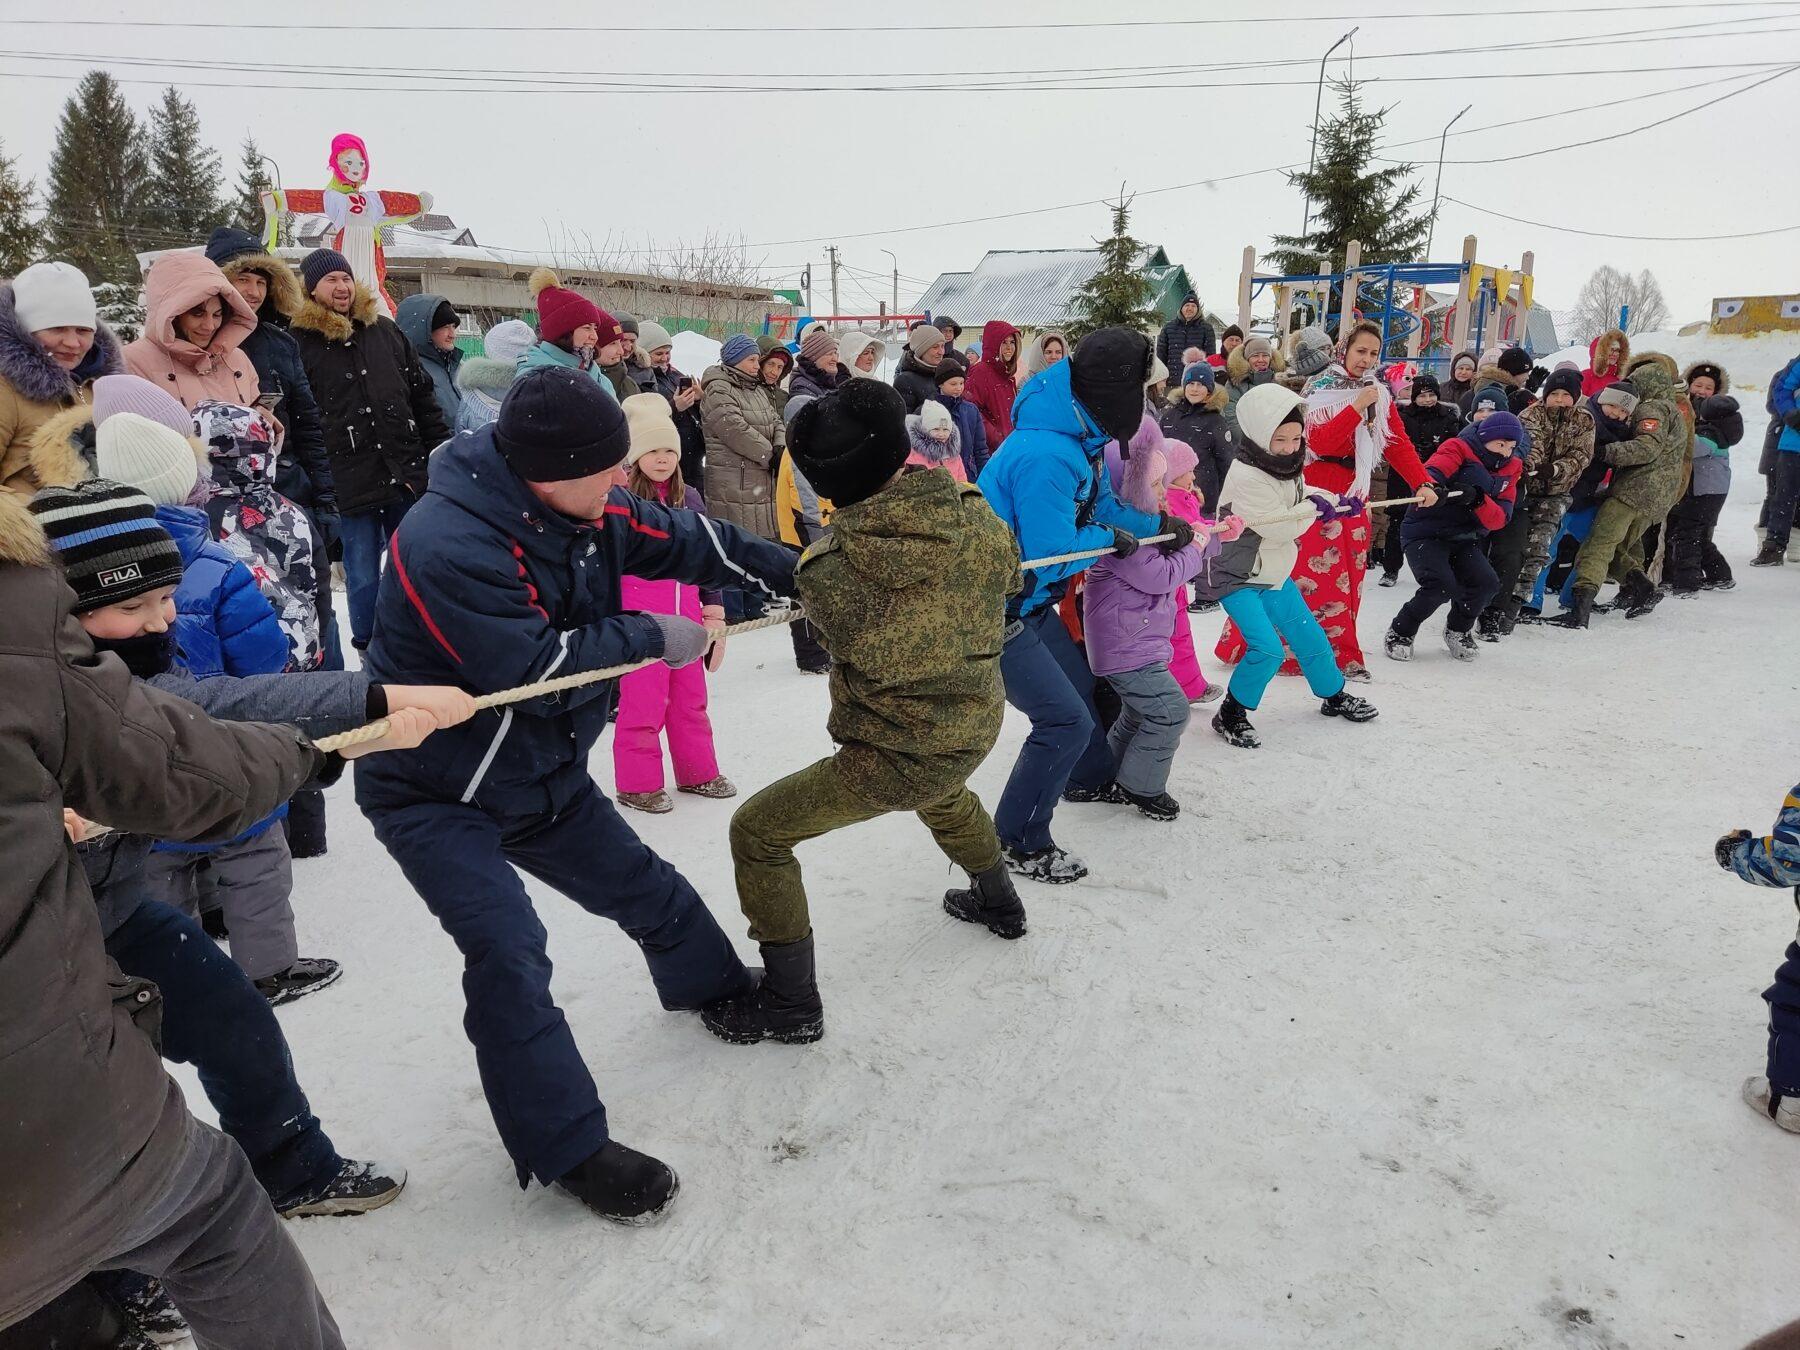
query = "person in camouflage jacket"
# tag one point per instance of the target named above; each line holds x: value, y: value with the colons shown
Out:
x: 1562, y: 446
x: 909, y: 595
x: 1649, y: 473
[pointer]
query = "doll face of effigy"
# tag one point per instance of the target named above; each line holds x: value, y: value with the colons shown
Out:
x: 351, y: 166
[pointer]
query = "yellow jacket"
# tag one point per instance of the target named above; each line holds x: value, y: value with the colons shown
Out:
x: 801, y: 515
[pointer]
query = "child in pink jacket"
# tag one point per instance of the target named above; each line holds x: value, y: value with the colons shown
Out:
x: 1186, y: 503
x: 656, y: 700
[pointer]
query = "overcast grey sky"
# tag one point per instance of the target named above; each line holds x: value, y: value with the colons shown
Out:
x: 539, y: 141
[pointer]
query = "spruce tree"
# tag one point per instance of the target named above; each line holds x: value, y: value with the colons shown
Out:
x: 253, y: 180
x: 21, y: 238
x: 1119, y: 294
x: 99, y: 172
x: 183, y: 200
x: 1352, y: 200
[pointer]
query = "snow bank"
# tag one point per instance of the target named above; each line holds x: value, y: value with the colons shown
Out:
x: 694, y: 353
x: 1751, y: 361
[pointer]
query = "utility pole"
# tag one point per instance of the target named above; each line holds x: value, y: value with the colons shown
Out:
x: 806, y: 286
x: 832, y: 254
x: 896, y: 262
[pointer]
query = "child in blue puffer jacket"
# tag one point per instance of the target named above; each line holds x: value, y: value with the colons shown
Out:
x: 223, y: 626
x: 1774, y: 860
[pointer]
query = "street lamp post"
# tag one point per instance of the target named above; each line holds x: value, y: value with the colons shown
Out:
x: 1431, y: 233
x: 1319, y: 103
x: 896, y: 262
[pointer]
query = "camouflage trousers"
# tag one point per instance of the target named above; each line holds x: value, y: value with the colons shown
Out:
x: 1545, y: 516
x: 1614, y: 546
x: 816, y: 801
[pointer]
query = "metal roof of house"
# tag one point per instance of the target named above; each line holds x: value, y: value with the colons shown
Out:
x: 1034, y: 288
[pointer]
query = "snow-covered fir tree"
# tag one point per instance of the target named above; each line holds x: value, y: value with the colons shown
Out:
x: 1119, y: 294
x: 253, y: 180
x: 99, y: 176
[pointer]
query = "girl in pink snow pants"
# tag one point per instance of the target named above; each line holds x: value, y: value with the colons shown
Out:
x: 1185, y: 502
x: 657, y: 701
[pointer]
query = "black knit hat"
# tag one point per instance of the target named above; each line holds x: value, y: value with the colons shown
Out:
x: 556, y: 424
x: 1568, y: 381
x: 1515, y: 361
x: 852, y: 441
x: 321, y: 263
x: 1425, y: 382
x: 108, y: 540
x: 1107, y: 373
x: 948, y: 370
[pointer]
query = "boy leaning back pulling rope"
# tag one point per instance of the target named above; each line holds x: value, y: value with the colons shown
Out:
x: 909, y: 593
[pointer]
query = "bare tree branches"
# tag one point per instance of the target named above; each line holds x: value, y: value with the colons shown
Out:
x: 1607, y: 292
x: 710, y: 284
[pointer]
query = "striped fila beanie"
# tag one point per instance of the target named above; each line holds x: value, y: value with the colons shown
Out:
x: 106, y: 536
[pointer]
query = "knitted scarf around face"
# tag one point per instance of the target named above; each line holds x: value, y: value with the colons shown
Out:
x: 1331, y: 391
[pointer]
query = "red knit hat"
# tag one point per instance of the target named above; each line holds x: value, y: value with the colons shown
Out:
x: 561, y: 312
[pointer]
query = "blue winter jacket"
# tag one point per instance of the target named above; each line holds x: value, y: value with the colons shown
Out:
x: 487, y: 589
x: 1048, y: 484
x: 971, y: 431
x: 1774, y: 859
x: 414, y: 318
x: 1784, y: 400
x: 223, y: 623
x: 549, y: 355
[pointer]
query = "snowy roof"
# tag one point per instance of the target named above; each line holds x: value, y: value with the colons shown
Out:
x: 1034, y: 288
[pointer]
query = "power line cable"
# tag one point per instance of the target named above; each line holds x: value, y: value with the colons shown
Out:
x: 1641, y: 238
x: 688, y: 31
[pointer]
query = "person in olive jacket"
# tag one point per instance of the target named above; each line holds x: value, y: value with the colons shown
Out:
x: 382, y: 418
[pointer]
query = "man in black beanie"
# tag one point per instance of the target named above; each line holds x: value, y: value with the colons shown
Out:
x: 909, y: 594
x: 507, y: 572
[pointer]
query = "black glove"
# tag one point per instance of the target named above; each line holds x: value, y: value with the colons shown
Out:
x: 1125, y: 543
x: 1473, y: 497
x: 1175, y: 525
x: 1535, y: 380
x: 1793, y: 420
x: 1727, y: 842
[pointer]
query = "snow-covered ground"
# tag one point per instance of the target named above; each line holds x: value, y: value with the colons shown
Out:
x: 1422, y: 1033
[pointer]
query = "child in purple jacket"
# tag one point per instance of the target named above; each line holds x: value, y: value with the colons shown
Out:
x: 1129, y: 622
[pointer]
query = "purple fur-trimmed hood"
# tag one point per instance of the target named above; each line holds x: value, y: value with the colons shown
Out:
x: 27, y: 367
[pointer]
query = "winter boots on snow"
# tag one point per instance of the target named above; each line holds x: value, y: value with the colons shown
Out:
x: 718, y: 788
x: 623, y: 1185
x: 991, y: 901
x: 1108, y: 794
x: 1049, y: 865
x: 1398, y: 648
x: 356, y: 1188
x: 1160, y: 807
x: 1232, y: 721
x: 783, y: 1007
x: 1580, y: 610
x: 1462, y: 646
x: 1348, y: 706
x: 1762, y: 1098
x: 1770, y: 554
x: 658, y: 803
x: 1638, y: 595
x: 306, y: 976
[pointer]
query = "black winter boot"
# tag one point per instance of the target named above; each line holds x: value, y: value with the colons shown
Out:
x: 785, y: 1007
x: 1232, y: 721
x: 1506, y: 615
x: 1487, y: 625
x: 623, y: 1185
x: 1580, y: 610
x: 1348, y: 706
x: 990, y: 901
x: 1639, y: 595
x: 1770, y: 554
x: 1160, y: 807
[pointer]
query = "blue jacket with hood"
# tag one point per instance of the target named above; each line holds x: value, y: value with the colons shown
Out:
x: 414, y: 318
x: 223, y: 623
x: 1048, y: 484
x: 487, y: 589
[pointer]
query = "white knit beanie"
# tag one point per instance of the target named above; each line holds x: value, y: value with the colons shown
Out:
x: 148, y: 456
x: 53, y: 295
x: 651, y: 425
x: 933, y: 415
x: 508, y: 340
x: 652, y: 335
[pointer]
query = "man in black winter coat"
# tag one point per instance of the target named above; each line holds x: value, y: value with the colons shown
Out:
x: 1185, y: 330
x: 509, y: 572
x: 382, y: 418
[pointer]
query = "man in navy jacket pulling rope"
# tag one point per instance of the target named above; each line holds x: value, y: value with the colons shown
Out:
x: 505, y: 573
